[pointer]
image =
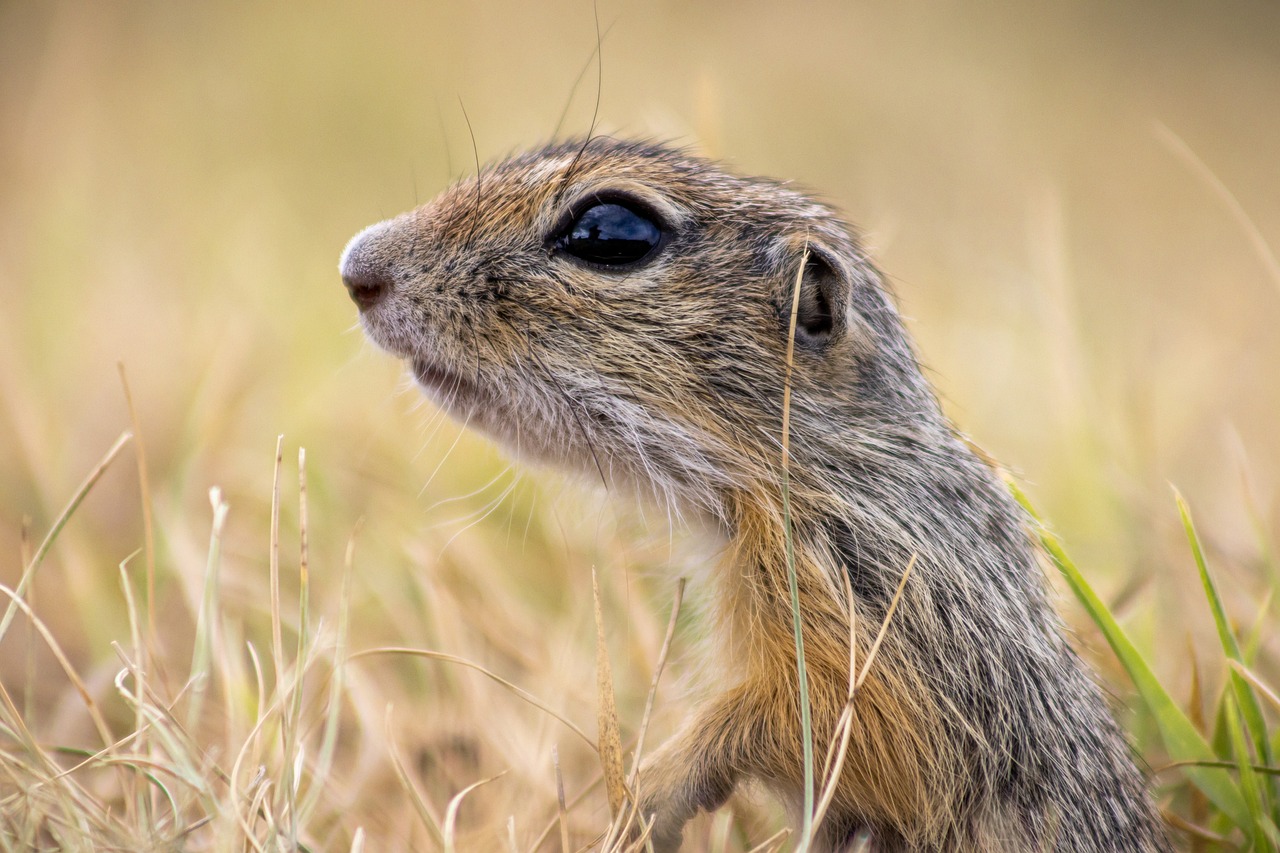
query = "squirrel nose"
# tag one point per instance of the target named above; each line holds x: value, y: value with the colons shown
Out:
x: 366, y: 287
x: 368, y: 281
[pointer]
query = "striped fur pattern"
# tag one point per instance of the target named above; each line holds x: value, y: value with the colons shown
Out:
x: 977, y: 727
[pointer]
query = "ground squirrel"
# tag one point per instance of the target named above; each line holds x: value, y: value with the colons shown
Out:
x: 624, y: 309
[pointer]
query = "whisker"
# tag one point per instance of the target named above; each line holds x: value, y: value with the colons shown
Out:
x: 444, y: 139
x: 475, y: 152
x: 582, y: 72
x: 448, y: 452
x: 595, y: 115
x: 486, y: 511
x: 452, y: 499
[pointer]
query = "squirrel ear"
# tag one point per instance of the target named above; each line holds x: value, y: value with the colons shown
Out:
x: 823, y: 313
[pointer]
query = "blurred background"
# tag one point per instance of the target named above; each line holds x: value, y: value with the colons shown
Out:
x: 1078, y: 206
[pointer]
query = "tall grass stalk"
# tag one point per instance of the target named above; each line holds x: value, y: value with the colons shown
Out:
x: 206, y: 621
x: 802, y: 676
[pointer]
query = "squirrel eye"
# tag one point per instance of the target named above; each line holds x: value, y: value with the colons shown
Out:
x: 610, y: 234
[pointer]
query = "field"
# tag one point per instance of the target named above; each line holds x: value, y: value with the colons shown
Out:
x: 220, y: 647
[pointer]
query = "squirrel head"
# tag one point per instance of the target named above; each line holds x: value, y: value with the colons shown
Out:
x: 624, y: 309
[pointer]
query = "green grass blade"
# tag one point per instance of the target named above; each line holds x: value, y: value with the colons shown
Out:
x: 1250, y: 784
x: 806, y: 724
x: 1258, y: 633
x: 1180, y: 736
x: 1247, y: 703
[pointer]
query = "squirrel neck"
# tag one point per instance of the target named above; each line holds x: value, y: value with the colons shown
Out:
x: 858, y: 512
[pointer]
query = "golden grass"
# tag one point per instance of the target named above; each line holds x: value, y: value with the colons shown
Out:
x: 242, y: 749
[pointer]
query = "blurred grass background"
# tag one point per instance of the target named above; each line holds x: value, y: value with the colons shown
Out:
x: 177, y: 180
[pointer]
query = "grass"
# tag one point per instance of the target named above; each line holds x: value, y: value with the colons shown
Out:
x: 252, y: 743
x: 802, y: 678
x: 1244, y: 799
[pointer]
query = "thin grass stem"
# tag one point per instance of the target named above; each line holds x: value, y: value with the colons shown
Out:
x: 797, y: 627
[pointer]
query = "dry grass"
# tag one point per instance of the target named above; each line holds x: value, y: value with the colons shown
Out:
x: 342, y: 664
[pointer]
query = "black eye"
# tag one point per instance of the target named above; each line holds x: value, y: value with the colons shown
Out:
x: 610, y: 234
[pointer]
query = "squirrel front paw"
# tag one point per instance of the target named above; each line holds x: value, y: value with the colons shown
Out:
x: 657, y: 827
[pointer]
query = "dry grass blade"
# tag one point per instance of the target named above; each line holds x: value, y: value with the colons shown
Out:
x: 834, y: 764
x: 304, y: 578
x: 16, y: 728
x: 426, y: 812
x: 259, y: 807
x: 720, y: 827
x: 292, y: 721
x: 888, y: 617
x: 1261, y: 247
x: 773, y: 842
x: 1193, y: 829
x: 337, y: 680
x: 1249, y: 676
x: 610, y: 747
x: 207, y: 613
x: 570, y: 802
x: 448, y: 658
x: 641, y: 843
x: 620, y: 828
x: 791, y: 357
x: 277, y: 643
x: 28, y: 638
x: 657, y: 675
x: 148, y: 522
x: 451, y: 813
x: 617, y: 836
x: 562, y: 812
x: 255, y: 785
x: 30, y: 569
x: 134, y: 800
x: 845, y: 725
x: 174, y: 742
x: 92, y: 707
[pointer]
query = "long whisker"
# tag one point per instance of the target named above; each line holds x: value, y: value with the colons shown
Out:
x: 449, y: 394
x: 595, y: 115
x: 470, y: 521
x: 573, y: 90
x: 475, y: 153
x: 444, y: 139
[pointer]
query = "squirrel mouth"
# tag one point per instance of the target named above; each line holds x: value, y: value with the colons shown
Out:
x: 444, y: 385
x: 435, y: 377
